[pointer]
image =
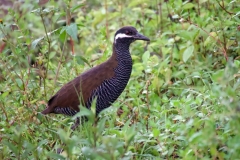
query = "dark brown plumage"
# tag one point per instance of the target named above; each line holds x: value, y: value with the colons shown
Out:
x: 104, y: 82
x: 84, y: 84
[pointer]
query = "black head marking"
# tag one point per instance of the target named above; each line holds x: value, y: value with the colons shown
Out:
x: 129, y: 34
x: 128, y: 30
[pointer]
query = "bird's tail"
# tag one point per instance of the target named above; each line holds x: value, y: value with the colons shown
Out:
x: 47, y: 111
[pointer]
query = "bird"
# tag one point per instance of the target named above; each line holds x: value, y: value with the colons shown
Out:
x: 104, y: 82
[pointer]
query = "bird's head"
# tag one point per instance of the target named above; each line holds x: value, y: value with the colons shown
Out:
x: 128, y: 34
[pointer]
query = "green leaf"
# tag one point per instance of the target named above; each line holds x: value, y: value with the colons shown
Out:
x: 145, y: 57
x: 42, y: 142
x: 188, y: 6
x: 217, y: 76
x: 156, y: 132
x: 49, y: 10
x: 12, y: 147
x: 85, y: 112
x: 55, y: 156
x: 76, y: 7
x: 36, y: 11
x: 185, y: 34
x: 52, y: 54
x: 72, y: 31
x: 62, y: 33
x: 4, y: 94
x: 188, y: 53
x: 136, y: 2
x: 101, y: 125
x: 81, y: 60
x: 237, y: 14
x: 210, y: 40
x: 19, y: 83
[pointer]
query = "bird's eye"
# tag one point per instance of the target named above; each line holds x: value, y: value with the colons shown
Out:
x: 128, y: 33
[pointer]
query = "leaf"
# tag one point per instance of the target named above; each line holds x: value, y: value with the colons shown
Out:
x: 175, y: 16
x: 156, y: 132
x: 85, y: 112
x: 237, y: 14
x: 195, y: 34
x: 49, y: 10
x: 36, y: 11
x: 145, y: 57
x: 210, y: 40
x: 82, y: 60
x: 4, y: 94
x: 52, y: 54
x: 44, y: 12
x: 42, y: 142
x: 101, y: 125
x: 55, y: 156
x: 136, y: 2
x: 218, y: 76
x: 72, y: 31
x: 76, y: 7
x: 35, y: 42
x: 186, y: 35
x: 188, y: 6
x: 12, y: 147
x: 195, y: 136
x: 188, y: 53
x: 62, y: 33
x: 19, y: 83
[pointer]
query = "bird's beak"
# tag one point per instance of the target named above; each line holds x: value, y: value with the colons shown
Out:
x: 139, y: 36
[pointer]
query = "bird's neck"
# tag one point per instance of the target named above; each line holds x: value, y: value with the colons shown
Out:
x: 122, y: 54
x: 124, y: 63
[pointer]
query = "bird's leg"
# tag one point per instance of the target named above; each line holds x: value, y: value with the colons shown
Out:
x: 76, y: 124
x: 119, y: 111
x: 78, y: 121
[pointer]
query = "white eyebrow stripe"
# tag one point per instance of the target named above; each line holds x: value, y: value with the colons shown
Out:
x: 121, y: 35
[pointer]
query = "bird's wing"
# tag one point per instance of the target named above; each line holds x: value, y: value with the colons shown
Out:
x: 80, y: 89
